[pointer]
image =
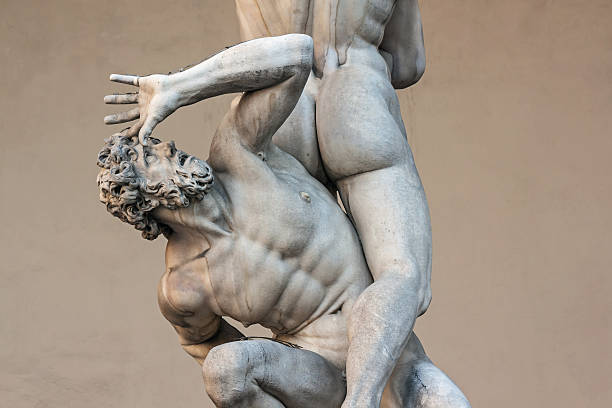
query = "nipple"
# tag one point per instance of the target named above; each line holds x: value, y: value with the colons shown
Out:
x: 304, y: 196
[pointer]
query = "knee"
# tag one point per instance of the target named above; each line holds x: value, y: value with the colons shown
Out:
x: 425, y: 299
x: 227, y: 371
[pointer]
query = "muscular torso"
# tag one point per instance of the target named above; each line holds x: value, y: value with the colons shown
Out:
x: 338, y: 27
x: 289, y: 256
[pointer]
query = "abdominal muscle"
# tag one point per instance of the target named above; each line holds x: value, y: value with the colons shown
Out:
x: 304, y: 299
x: 257, y: 285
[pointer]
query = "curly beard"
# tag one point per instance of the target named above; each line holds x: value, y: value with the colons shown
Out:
x: 130, y: 197
x: 191, y: 182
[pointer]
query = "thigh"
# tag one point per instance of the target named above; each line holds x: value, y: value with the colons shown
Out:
x: 417, y: 383
x: 295, y: 377
x: 390, y: 213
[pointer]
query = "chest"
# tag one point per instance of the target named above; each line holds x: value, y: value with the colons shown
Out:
x: 282, y: 209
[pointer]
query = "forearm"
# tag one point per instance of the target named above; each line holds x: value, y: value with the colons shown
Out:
x: 380, y: 325
x: 199, y: 350
x: 248, y: 66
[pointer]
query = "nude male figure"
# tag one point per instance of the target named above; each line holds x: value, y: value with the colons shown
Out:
x: 264, y: 243
x: 350, y: 113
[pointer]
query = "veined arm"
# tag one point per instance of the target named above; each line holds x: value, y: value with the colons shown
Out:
x: 254, y: 67
x: 402, y: 45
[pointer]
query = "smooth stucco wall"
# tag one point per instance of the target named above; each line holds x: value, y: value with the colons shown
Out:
x: 511, y: 132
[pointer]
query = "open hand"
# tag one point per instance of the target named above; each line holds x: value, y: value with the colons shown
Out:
x: 155, y: 98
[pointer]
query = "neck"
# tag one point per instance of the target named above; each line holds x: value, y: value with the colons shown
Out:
x: 209, y: 217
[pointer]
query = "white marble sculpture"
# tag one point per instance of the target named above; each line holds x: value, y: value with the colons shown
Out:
x: 256, y: 233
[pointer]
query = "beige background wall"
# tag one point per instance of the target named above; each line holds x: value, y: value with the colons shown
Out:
x: 511, y: 128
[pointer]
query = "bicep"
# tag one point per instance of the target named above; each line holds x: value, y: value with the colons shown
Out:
x: 182, y: 302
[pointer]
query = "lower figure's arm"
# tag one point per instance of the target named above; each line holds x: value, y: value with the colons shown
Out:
x: 199, y: 351
x: 248, y: 66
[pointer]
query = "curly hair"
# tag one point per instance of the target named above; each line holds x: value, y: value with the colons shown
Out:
x: 129, y: 196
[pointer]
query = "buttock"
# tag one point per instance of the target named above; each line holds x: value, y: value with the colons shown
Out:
x: 359, y: 125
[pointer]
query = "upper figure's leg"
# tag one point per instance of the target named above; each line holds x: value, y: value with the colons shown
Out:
x: 265, y: 373
x: 365, y: 152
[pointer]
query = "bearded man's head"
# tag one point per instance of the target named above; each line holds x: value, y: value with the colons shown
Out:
x: 136, y: 179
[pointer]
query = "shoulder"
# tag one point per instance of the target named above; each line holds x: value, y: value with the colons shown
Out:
x: 228, y: 155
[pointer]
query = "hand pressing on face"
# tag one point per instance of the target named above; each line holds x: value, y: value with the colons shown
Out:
x: 155, y: 98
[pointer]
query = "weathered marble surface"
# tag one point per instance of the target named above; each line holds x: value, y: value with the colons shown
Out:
x: 256, y: 233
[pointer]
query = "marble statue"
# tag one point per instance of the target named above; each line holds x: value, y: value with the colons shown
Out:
x: 257, y: 234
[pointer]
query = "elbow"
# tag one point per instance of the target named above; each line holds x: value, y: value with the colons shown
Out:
x: 302, y: 46
x: 307, y: 53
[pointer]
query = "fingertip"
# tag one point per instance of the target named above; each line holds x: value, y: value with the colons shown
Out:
x: 143, y: 137
x: 108, y: 99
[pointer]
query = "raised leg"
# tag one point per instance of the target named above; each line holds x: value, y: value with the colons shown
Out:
x: 264, y: 373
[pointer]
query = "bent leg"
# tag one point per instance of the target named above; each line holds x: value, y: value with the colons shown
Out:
x: 417, y: 383
x: 365, y: 151
x: 264, y: 373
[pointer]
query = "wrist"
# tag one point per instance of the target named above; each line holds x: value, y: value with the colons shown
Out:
x: 174, y: 93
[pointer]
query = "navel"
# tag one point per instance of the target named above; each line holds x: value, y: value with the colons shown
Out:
x: 305, y: 196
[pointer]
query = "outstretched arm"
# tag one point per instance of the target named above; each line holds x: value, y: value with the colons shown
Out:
x: 254, y: 67
x: 402, y: 46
